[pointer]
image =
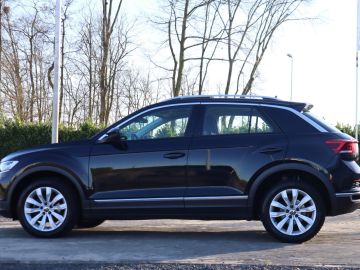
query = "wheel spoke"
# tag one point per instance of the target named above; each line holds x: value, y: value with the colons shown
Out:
x: 299, y: 225
x: 281, y: 224
x: 278, y: 205
x: 291, y: 226
x: 59, y: 207
x: 277, y: 214
x: 32, y: 210
x: 306, y: 219
x: 304, y: 200
x: 311, y: 208
x: 51, y: 221
x: 56, y: 199
x: 43, y: 223
x: 295, y: 194
x: 48, y: 194
x: 32, y: 201
x: 58, y: 216
x: 39, y: 194
x: 35, y: 219
x: 285, y: 197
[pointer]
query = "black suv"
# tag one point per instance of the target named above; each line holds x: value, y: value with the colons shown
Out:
x: 200, y: 157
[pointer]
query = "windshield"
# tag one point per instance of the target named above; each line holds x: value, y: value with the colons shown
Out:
x: 321, y: 122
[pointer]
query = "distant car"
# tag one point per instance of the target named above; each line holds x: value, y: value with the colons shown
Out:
x: 199, y: 157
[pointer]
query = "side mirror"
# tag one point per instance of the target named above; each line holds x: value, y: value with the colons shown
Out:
x: 115, y: 138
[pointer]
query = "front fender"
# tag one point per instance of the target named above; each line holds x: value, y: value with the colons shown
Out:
x: 47, y: 168
x: 75, y: 169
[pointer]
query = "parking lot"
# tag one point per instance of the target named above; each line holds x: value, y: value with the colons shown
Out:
x: 184, y: 242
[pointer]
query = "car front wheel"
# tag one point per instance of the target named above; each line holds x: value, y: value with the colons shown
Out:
x: 293, y: 213
x: 47, y: 208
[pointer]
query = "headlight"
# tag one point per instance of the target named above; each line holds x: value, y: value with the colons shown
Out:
x: 7, y: 165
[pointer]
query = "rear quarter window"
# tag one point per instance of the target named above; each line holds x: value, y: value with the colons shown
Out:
x: 321, y: 122
x: 288, y: 121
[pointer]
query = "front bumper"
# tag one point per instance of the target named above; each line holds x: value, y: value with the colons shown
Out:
x: 346, y: 202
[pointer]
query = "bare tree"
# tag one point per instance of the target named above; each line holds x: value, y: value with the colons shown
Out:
x: 181, y: 14
x: 65, y: 17
x: 12, y: 62
x: 108, y: 24
x: 100, y: 81
x: 247, y: 40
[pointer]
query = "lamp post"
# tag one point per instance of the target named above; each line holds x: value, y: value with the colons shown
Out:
x: 291, y: 75
x: 57, y: 60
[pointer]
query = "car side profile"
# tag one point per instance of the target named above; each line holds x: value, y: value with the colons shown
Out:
x: 198, y: 157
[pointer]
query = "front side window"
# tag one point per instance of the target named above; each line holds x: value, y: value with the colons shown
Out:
x: 163, y: 123
x: 226, y: 120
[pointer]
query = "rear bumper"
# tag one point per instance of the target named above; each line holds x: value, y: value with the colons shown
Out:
x: 5, y: 209
x: 346, y: 202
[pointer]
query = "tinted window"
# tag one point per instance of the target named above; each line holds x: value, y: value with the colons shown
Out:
x: 288, y: 121
x: 164, y: 123
x: 321, y: 122
x: 224, y: 120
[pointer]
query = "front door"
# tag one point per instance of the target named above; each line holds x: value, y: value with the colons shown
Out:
x: 147, y: 169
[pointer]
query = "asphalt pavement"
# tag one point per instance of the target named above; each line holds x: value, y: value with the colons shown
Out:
x: 181, y: 244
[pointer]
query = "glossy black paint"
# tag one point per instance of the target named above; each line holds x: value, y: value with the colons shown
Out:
x: 194, y: 176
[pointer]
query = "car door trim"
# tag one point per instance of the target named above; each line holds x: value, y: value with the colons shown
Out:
x: 205, y: 198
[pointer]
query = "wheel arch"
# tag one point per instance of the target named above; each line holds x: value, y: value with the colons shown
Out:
x: 32, y: 174
x: 293, y: 171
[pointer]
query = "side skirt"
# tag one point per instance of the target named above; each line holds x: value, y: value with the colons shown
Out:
x: 202, y: 208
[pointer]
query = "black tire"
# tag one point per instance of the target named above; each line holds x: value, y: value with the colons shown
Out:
x: 89, y: 223
x: 69, y: 215
x: 309, y: 230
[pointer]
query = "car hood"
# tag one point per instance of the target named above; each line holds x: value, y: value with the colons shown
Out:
x: 78, y: 148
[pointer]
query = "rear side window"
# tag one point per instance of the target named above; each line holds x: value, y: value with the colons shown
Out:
x: 227, y: 120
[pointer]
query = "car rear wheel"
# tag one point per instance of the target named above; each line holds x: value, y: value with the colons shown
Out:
x: 47, y: 209
x: 293, y: 213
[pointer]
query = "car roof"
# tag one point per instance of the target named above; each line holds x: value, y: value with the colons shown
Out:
x: 249, y: 99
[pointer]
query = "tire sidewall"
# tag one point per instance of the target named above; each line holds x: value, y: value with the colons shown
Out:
x: 320, y: 212
x: 70, y: 219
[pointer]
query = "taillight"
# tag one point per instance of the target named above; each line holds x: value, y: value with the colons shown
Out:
x: 348, y: 149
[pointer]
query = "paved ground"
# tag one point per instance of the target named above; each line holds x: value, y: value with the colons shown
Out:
x: 184, y: 242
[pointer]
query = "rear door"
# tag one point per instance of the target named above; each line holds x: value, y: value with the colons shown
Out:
x: 232, y: 142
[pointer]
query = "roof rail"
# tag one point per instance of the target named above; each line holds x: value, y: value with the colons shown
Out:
x: 226, y: 96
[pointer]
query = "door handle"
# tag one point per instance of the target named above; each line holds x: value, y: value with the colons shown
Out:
x: 174, y: 155
x: 270, y: 150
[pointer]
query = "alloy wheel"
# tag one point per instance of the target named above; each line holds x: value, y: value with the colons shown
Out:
x: 45, y: 209
x: 292, y: 212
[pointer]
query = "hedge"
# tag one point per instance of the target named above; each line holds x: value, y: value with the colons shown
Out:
x: 15, y: 136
